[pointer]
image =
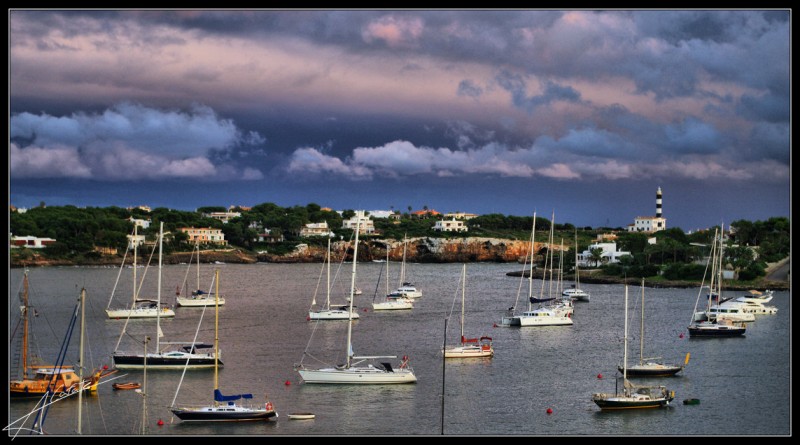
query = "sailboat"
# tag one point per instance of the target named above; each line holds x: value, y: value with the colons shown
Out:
x: 470, y: 347
x: 632, y: 396
x: 542, y: 315
x: 575, y: 292
x: 352, y: 372
x: 394, y: 301
x: 140, y: 308
x: 648, y: 367
x: 406, y: 289
x: 198, y: 297
x: 329, y: 312
x: 224, y: 408
x: 187, y: 355
x: 52, y: 380
x: 701, y: 325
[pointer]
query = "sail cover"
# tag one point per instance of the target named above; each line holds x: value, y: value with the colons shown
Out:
x: 219, y: 397
x: 540, y: 300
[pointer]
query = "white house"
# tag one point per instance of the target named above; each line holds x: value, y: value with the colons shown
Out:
x: 143, y: 223
x: 647, y: 224
x: 610, y: 254
x: 364, y: 222
x: 31, y: 242
x: 223, y: 216
x: 380, y: 213
x: 204, y: 235
x: 138, y: 240
x: 460, y: 215
x: 452, y: 225
x: 316, y: 229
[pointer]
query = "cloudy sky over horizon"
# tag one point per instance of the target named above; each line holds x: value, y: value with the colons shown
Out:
x: 585, y: 113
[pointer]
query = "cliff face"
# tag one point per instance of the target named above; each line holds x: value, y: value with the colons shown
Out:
x: 418, y: 250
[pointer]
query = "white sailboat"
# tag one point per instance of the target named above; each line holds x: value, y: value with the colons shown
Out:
x: 542, y: 315
x: 198, y: 297
x: 354, y: 371
x: 575, y: 292
x: 405, y: 289
x: 224, y: 408
x: 394, y: 301
x: 469, y: 347
x: 651, y: 367
x: 632, y: 396
x: 140, y: 308
x: 187, y: 355
x: 328, y: 312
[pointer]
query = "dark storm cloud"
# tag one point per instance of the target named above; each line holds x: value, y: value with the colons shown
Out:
x: 552, y: 92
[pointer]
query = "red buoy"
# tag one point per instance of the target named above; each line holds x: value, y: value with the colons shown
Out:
x: 599, y: 376
x: 308, y: 318
x: 105, y: 367
x: 288, y: 383
x: 365, y: 309
x: 681, y: 336
x: 549, y: 411
x: 494, y: 325
x: 160, y: 422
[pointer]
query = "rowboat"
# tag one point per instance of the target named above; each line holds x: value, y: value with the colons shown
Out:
x: 301, y: 416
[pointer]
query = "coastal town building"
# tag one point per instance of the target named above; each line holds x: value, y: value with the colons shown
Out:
x: 609, y: 254
x: 650, y: 224
x: 380, y: 213
x: 204, y: 235
x: 452, y: 225
x: 143, y: 223
x: 316, y: 229
x: 460, y: 215
x: 223, y: 216
x: 365, y: 224
x: 137, y: 240
x: 31, y: 242
x: 424, y: 213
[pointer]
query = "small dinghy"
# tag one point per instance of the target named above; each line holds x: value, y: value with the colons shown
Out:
x: 127, y: 385
x: 301, y: 416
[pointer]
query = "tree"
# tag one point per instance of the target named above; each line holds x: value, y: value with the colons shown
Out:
x: 596, y: 255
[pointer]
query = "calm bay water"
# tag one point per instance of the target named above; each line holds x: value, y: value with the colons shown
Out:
x: 744, y: 384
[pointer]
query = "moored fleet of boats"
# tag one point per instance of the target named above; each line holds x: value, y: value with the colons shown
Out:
x: 716, y: 317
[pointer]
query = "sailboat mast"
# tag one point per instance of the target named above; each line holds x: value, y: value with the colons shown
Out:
x: 25, y: 325
x: 387, y: 270
x: 551, y: 253
x: 80, y: 358
x: 719, y: 269
x: 158, y: 293
x: 530, y: 275
x: 216, y: 334
x: 577, y: 276
x: 328, y: 285
x: 641, y: 331
x: 463, y: 292
x: 135, y: 244
x: 625, y: 341
x: 197, y: 248
x: 403, y: 265
x: 352, y: 296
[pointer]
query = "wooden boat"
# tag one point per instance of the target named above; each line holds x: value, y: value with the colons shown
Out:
x: 301, y: 416
x: 126, y: 385
x: 56, y: 380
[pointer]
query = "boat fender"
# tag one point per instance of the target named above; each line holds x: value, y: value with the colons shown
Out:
x: 405, y: 360
x: 269, y: 406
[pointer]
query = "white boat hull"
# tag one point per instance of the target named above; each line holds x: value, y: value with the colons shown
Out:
x: 543, y: 318
x: 332, y: 315
x: 392, y: 305
x: 576, y: 294
x: 199, y: 302
x: 366, y: 375
x: 472, y: 351
x: 140, y: 313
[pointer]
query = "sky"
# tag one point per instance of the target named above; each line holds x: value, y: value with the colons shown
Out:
x: 583, y: 114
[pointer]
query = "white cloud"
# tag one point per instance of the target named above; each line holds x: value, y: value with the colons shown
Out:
x: 38, y: 162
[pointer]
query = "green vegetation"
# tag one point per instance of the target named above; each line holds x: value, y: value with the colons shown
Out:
x: 82, y: 233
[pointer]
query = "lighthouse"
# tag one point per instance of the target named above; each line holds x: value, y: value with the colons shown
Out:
x: 658, y: 203
x: 650, y: 224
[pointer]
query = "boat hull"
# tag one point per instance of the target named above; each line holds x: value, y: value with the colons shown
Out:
x: 139, y: 313
x: 718, y: 331
x: 544, y: 321
x: 395, y: 305
x: 124, y: 361
x: 651, y: 370
x: 332, y: 315
x: 468, y: 352
x: 358, y: 376
x: 606, y: 402
x: 199, y: 302
x: 223, y: 414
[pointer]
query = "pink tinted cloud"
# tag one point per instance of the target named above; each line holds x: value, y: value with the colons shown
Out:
x: 394, y: 31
